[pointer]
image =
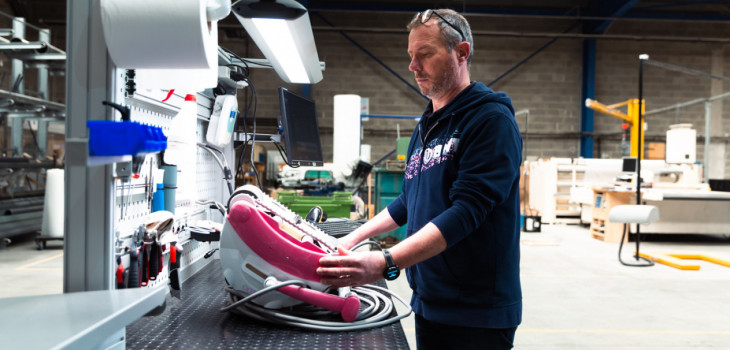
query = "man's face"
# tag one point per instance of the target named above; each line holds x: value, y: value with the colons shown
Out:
x: 434, y: 66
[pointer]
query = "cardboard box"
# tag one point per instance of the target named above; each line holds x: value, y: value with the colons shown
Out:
x: 655, y: 150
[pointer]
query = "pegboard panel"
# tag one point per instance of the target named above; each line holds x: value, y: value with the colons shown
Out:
x: 208, y: 181
x: 131, y: 207
x: 194, y: 251
x: 133, y: 197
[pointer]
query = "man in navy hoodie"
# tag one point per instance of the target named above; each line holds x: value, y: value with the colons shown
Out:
x: 460, y: 200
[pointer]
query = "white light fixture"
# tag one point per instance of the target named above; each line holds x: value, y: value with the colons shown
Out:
x: 281, y: 29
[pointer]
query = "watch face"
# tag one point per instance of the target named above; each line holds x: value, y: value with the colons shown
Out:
x: 391, y: 273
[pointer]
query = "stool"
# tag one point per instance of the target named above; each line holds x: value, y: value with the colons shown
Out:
x: 633, y: 214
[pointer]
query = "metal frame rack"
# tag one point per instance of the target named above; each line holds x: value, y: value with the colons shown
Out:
x: 94, y: 227
x: 21, y: 197
x: 18, y: 106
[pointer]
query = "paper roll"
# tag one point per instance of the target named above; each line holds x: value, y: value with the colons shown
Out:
x: 365, y: 152
x: 161, y: 34
x: 346, y: 125
x: 53, y: 204
x: 187, y: 80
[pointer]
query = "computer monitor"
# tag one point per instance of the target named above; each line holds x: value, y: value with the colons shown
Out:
x: 630, y: 164
x: 300, y: 129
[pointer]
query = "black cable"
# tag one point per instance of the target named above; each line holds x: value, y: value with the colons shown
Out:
x: 637, y: 256
x: 227, y: 176
x: 283, y: 155
x: 241, y: 158
x: 239, y: 167
x: 372, y: 243
x: 246, y: 70
x: 243, y: 60
x: 253, y: 137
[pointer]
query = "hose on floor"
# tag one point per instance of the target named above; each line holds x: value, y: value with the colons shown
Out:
x: 638, y: 258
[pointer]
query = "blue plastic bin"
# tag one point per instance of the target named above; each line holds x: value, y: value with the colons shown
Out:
x: 112, y: 138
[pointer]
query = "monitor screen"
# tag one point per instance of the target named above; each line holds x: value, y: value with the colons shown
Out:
x: 301, y: 132
x: 629, y: 164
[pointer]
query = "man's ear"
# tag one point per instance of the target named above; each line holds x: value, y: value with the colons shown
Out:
x: 463, y: 49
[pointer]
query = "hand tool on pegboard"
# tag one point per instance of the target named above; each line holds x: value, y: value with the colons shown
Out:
x: 174, y: 267
x: 135, y: 260
x: 133, y: 280
x: 121, y: 274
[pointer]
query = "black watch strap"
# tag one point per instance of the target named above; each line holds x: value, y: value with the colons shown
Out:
x: 391, y: 271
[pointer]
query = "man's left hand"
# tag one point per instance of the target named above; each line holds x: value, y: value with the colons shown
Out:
x: 351, y: 268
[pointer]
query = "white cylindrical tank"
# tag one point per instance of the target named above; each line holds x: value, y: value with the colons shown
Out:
x: 346, y: 137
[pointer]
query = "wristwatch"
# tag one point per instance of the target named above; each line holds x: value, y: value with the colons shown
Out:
x: 391, y: 271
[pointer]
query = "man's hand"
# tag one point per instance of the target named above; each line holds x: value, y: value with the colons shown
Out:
x: 351, y: 268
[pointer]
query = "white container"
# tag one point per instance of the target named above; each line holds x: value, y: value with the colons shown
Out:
x: 222, y: 121
x: 181, y: 139
x: 681, y: 144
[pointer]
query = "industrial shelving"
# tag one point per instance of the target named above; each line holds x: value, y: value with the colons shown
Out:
x: 551, y: 195
x: 22, y: 175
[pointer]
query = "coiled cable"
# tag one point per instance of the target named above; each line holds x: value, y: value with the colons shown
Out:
x: 375, y: 314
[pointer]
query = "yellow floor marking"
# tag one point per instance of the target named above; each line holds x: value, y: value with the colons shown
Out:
x: 704, y: 257
x: 27, y: 266
x: 676, y: 260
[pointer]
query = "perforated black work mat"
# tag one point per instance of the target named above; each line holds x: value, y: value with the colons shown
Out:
x: 339, y: 227
x: 196, y: 322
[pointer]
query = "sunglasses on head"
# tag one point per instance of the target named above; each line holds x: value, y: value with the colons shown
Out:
x: 426, y: 15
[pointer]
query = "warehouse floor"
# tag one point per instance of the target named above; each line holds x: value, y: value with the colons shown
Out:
x: 576, y: 293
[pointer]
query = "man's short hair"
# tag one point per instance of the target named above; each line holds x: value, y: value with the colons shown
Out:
x: 449, y: 35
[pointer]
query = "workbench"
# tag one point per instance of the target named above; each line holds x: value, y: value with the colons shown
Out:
x: 80, y: 320
x: 681, y: 211
x: 195, y: 322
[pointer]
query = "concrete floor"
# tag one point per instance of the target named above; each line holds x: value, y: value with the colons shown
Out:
x: 26, y: 271
x: 576, y: 293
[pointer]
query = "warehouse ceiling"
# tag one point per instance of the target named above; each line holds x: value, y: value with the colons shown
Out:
x: 53, y: 12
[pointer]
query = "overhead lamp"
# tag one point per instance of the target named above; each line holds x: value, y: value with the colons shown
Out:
x: 281, y: 29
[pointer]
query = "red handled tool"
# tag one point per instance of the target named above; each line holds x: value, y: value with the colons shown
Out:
x: 175, y: 256
x: 122, y: 274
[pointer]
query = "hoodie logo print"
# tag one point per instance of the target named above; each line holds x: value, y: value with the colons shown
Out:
x: 436, y: 153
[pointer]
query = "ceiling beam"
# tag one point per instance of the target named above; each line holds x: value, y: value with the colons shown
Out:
x: 620, y: 8
x: 610, y: 9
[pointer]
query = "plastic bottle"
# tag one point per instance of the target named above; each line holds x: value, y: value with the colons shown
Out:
x: 158, y: 198
x: 222, y: 120
x: 181, y: 138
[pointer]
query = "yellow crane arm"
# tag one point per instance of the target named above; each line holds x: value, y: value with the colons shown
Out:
x: 600, y: 107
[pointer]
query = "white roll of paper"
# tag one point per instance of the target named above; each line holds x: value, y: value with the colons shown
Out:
x: 365, y: 151
x: 346, y: 125
x: 53, y: 204
x: 161, y: 34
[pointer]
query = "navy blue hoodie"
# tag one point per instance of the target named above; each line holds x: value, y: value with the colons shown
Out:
x: 466, y: 182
